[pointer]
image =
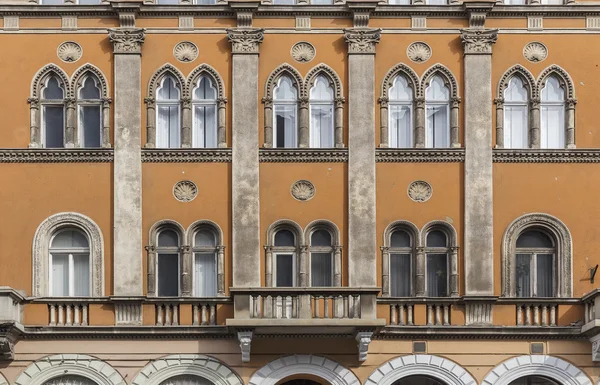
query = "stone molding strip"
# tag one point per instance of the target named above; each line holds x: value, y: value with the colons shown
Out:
x: 295, y: 155
x: 546, y: 156
x: 56, y: 156
x: 186, y: 156
x: 393, y: 155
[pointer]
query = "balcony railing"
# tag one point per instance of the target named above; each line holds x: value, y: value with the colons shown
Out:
x: 204, y: 311
x: 403, y: 311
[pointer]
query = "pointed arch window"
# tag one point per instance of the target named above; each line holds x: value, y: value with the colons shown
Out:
x: 205, y: 251
x: 516, y: 114
x: 168, y: 113
x: 321, y: 258
x: 204, y: 126
x: 321, y: 114
x: 552, y: 110
x: 89, y: 112
x: 437, y: 114
x: 53, y: 112
x: 168, y: 263
x: 400, y: 109
x: 285, y: 114
x: 69, y: 261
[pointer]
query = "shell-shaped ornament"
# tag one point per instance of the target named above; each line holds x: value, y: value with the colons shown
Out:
x: 419, y: 191
x: 418, y: 52
x: 303, y: 52
x: 185, y: 51
x: 69, y: 51
x: 535, y: 52
x: 185, y: 191
x: 303, y: 190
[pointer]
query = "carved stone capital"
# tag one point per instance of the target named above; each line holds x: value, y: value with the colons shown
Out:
x: 150, y: 102
x: 478, y: 41
x: 127, y: 40
x: 186, y: 103
x: 245, y: 40
x: 151, y: 249
x: 34, y: 102
x: 245, y: 339
x: 362, y: 40
x: 420, y: 102
x: 339, y: 102
x: 363, y: 339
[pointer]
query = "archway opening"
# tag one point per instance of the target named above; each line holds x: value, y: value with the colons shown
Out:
x: 303, y: 379
x: 419, y: 380
x: 187, y: 379
x: 70, y: 380
x: 534, y: 380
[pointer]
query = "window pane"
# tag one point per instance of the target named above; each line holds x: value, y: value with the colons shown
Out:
x: 437, y: 90
x: 438, y: 127
x: 321, y: 126
x: 52, y: 2
x: 168, y: 275
x: 90, y: 126
x: 167, y: 127
x: 60, y: 275
x: 90, y: 89
x: 205, y: 238
x: 515, y: 2
x: 523, y: 271
x: 285, y: 238
x: 168, y: 238
x: 284, y: 2
x: 400, y: 238
x: 205, y: 89
x: 320, y: 238
x: 400, y: 275
x: 69, y: 239
x: 81, y: 275
x: 437, y: 275
x: 53, y: 126
x: 544, y: 275
x: 89, y: 2
x: 400, y: 90
x: 169, y: 89
x: 516, y: 91
x: 399, y: 2
x: 205, y: 127
x: 205, y: 273
x: 285, y: 126
x: 516, y: 126
x: 552, y: 133
x: 436, y: 239
x: 534, y: 238
x: 53, y: 90
x: 285, y: 89
x: 321, y: 2
x: 206, y: 2
x: 321, y: 269
x: 401, y: 127
x: 553, y: 2
x: 437, y: 2
x: 285, y: 272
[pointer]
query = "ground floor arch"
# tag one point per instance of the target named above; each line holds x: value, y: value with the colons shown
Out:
x: 553, y: 368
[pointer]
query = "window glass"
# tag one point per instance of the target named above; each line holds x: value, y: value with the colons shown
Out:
x: 515, y: 2
x: 400, y: 238
x: 205, y: 274
x: 90, y: 89
x: 437, y: 90
x: 400, y: 90
x: 168, y: 275
x: 400, y: 114
x: 285, y: 272
x: 436, y: 238
x: 321, y: 2
x: 321, y: 269
x: 437, y: 275
x: 60, y: 275
x: 437, y: 116
x: 90, y: 121
x: 53, y: 89
x: 516, y: 114
x: 205, y: 89
x: 285, y: 238
x: 81, y: 275
x: 552, y: 111
x: 321, y: 114
x: 285, y: 113
x: 534, y: 238
x: 320, y: 238
x: 53, y: 121
x: 523, y: 270
x: 69, y: 239
x: 400, y: 275
x: 285, y: 89
x: 168, y: 118
x: 399, y: 2
x: 168, y: 238
x: 544, y: 275
x: 205, y: 238
x: 205, y: 2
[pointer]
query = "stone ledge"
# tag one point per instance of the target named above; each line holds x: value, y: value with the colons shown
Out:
x: 546, y: 156
x: 77, y: 155
x: 186, y: 155
x: 303, y: 155
x: 420, y: 155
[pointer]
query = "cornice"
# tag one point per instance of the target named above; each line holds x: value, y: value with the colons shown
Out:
x: 546, y: 156
x: 186, y: 156
x: 417, y: 155
x: 479, y: 333
x: 302, y: 155
x: 56, y: 155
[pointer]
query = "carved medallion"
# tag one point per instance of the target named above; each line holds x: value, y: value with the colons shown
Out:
x: 185, y: 191
x: 419, y: 191
x: 303, y: 190
x: 418, y: 52
x: 69, y: 51
x: 303, y: 52
x: 535, y: 52
x: 185, y: 51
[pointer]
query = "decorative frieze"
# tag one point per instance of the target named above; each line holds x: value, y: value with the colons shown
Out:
x: 546, y: 156
x: 390, y: 155
x: 55, y: 156
x: 186, y: 156
x: 11, y: 23
x: 245, y: 40
x: 127, y: 40
x: 478, y: 41
x: 362, y: 40
x: 303, y: 156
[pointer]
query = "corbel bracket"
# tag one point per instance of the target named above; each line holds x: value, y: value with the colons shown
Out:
x: 478, y: 10
x: 361, y: 11
x: 244, y: 11
x: 245, y: 339
x: 363, y: 338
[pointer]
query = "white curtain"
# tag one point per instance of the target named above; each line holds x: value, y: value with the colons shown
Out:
x: 60, y: 275
x: 436, y: 2
x: 438, y: 127
x: 400, y: 125
x: 437, y: 275
x: 400, y: 275
x: 515, y: 2
x: 321, y: 269
x: 81, y: 275
x: 544, y: 275
x: 285, y: 126
x: 167, y: 127
x: 205, y: 126
x: 321, y: 126
x: 205, y: 274
x: 552, y: 133
x: 523, y: 272
x: 515, y: 126
x: 399, y: 2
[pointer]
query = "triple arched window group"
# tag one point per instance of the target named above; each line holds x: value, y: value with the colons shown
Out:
x: 69, y: 113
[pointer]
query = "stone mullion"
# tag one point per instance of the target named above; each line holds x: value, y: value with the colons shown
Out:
x: 339, y: 123
x: 151, y: 268
x: 186, y: 122
x: 420, y: 122
x: 221, y: 270
x: 34, y: 125
x: 499, y: 123
x: 150, y: 122
x: 534, y: 131
x: 454, y: 272
x: 454, y: 137
x: 385, y: 268
x: 303, y: 122
x: 269, y: 266
x: 70, y: 127
x: 106, y: 122
x: 384, y: 125
x: 187, y: 264
x: 304, y: 266
x: 221, y: 127
x: 420, y: 272
x: 570, y: 122
x: 268, y: 132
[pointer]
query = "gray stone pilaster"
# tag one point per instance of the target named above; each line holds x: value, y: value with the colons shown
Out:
x: 245, y: 166
x: 362, y: 236
x: 478, y: 231
x: 127, y: 44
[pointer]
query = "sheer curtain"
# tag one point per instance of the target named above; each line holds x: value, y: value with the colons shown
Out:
x: 321, y: 114
x: 400, y: 275
x: 544, y: 275
x: 60, y: 275
x: 90, y: 113
x: 552, y: 112
x: 516, y: 114
x: 437, y: 98
x: 285, y: 110
x: 204, y: 125
x: 321, y: 269
x: 400, y: 114
x: 167, y: 110
x: 205, y: 273
x: 81, y: 275
x: 523, y: 271
x: 437, y: 275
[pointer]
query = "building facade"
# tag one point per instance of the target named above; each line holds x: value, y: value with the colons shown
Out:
x: 334, y: 192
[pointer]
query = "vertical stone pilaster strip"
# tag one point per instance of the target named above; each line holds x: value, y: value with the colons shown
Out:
x: 478, y: 199
x: 127, y: 43
x: 362, y: 244
x: 245, y: 165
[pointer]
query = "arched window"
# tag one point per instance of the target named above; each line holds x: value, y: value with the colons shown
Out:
x: 69, y: 254
x: 436, y: 251
x: 52, y: 105
x: 401, y: 263
x: 419, y: 380
x: 516, y: 114
x: 535, y: 254
x: 552, y: 109
x: 168, y: 120
x: 204, y: 127
x: 284, y: 258
x: 400, y: 114
x: 167, y: 263
x: 534, y: 380
x: 321, y: 114
x: 321, y: 258
x: 89, y: 112
x: 285, y: 114
x: 205, y: 263
x: 70, y: 380
x: 437, y: 112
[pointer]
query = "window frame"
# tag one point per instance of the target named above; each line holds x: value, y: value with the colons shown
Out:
x: 431, y: 250
x: 53, y: 103
x: 80, y: 102
x: 169, y: 250
x: 402, y: 251
x: 437, y: 103
x: 320, y: 250
x: 286, y: 102
x: 170, y: 103
x: 321, y: 102
x: 71, y: 271
x: 205, y: 103
x: 205, y: 250
x: 533, y: 252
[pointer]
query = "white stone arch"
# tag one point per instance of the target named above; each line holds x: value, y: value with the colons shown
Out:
x: 536, y: 365
x: 202, y: 366
x: 59, y: 365
x: 303, y: 364
x: 41, y: 243
x: 439, y: 368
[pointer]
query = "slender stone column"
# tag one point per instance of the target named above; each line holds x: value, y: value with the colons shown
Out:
x: 245, y: 188
x: 362, y: 243
x: 479, y: 236
x: 128, y: 163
